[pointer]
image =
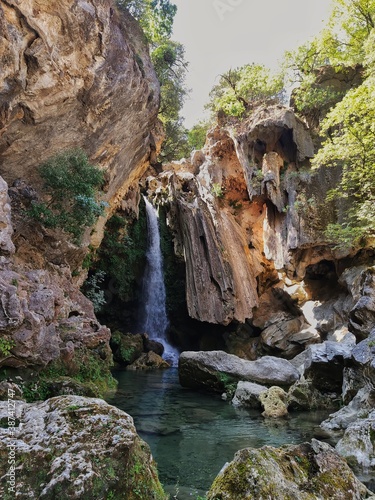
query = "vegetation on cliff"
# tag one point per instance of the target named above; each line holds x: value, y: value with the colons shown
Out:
x: 168, y: 57
x: 71, y: 186
x: 334, y: 90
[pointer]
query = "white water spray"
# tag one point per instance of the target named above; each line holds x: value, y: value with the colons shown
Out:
x: 155, y: 320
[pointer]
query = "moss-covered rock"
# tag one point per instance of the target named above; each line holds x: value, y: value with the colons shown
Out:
x: 149, y: 361
x: 86, y: 372
x: 295, y: 472
x: 126, y: 347
x: 302, y: 395
x: 76, y: 447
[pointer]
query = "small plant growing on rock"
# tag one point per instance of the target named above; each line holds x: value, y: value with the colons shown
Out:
x: 217, y: 190
x: 6, y: 345
x: 71, y: 186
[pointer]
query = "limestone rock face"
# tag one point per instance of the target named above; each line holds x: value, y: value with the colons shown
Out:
x: 304, y: 472
x: 213, y: 370
x: 357, y: 445
x: 77, y: 447
x: 75, y: 74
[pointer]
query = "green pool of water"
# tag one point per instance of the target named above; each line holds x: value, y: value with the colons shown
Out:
x: 192, y: 434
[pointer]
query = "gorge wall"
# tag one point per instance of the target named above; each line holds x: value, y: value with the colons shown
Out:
x: 74, y: 74
x: 248, y: 214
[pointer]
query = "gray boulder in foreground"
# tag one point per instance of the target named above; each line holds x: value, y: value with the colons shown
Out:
x: 75, y: 447
x: 308, y: 471
x: 216, y: 370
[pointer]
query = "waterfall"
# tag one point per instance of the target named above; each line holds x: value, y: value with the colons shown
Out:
x: 155, y: 320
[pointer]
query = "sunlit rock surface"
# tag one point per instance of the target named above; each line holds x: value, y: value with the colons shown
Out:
x: 305, y: 472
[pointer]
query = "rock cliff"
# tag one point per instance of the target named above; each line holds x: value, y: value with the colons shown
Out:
x: 247, y: 214
x: 73, y: 74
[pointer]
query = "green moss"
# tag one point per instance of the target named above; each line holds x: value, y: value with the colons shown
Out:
x: 228, y: 382
x: 87, y: 368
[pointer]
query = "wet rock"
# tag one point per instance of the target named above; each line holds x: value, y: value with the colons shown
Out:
x: 247, y: 394
x: 214, y: 370
x: 149, y: 361
x: 76, y: 447
x: 303, y: 396
x: 152, y: 345
x: 304, y: 472
x: 274, y: 402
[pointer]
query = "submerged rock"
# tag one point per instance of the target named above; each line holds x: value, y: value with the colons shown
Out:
x: 77, y: 447
x: 149, y: 361
x: 300, y: 472
x: 215, y: 370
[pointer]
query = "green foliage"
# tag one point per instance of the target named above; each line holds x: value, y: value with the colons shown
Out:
x: 349, y: 131
x: 91, y: 288
x: 241, y: 89
x: 168, y: 58
x: 197, y: 135
x: 174, y: 272
x: 170, y: 66
x: 71, y: 185
x: 217, y: 190
x: 155, y: 16
x: 121, y: 255
x: 86, y: 367
x: 6, y: 345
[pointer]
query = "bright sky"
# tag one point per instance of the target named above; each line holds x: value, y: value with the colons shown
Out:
x: 223, y: 34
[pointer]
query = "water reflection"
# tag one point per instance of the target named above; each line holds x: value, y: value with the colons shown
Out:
x: 192, y: 435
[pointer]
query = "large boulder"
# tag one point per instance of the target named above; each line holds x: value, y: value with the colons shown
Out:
x: 300, y: 472
x: 75, y: 447
x: 247, y: 394
x: 325, y: 364
x: 358, y: 444
x: 214, y: 370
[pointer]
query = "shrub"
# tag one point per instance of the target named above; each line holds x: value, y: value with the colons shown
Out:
x: 71, y: 186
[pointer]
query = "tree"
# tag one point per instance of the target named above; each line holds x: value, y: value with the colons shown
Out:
x: 168, y: 57
x: 342, y: 44
x: 240, y: 89
x: 155, y: 16
x: 349, y: 131
x: 197, y: 135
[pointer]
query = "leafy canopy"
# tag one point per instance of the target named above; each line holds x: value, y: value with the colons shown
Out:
x: 168, y: 58
x: 240, y: 89
x: 71, y: 185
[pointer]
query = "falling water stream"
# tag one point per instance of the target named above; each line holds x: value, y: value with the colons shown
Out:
x: 154, y: 314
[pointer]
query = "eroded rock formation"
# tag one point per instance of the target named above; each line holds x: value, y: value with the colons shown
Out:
x: 76, y: 447
x: 248, y: 214
x: 74, y: 74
